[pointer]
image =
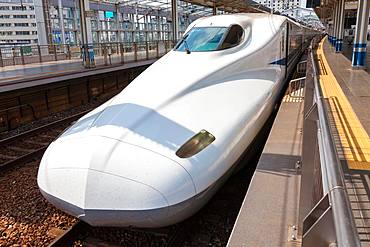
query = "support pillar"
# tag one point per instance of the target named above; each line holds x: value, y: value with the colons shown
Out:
x: 175, y: 20
x: 134, y: 24
x: 48, y: 29
x: 339, y: 42
x: 335, y: 25
x: 146, y: 28
x: 86, y: 34
x: 359, y: 45
x: 331, y: 28
x: 61, y: 22
x: 118, y: 22
x: 159, y: 26
x: 75, y: 25
x: 42, y: 33
x: 214, y: 9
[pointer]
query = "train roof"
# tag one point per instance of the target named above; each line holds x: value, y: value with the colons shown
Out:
x: 242, y: 19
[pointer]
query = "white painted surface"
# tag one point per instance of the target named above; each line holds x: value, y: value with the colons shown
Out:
x: 124, y: 151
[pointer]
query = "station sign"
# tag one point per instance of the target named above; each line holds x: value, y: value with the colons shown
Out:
x: 350, y: 5
x: 89, y: 13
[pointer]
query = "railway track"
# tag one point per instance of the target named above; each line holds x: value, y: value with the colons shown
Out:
x: 173, y: 236
x: 31, y: 144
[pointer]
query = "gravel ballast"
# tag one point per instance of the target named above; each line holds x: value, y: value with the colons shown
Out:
x: 26, y: 219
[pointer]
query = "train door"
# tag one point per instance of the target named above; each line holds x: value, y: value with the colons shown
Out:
x: 286, y: 48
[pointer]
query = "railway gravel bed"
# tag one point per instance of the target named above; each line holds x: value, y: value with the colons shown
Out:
x: 26, y: 218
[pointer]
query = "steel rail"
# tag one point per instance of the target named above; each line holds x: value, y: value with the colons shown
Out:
x: 41, y: 128
x: 345, y: 228
x: 79, y: 229
x: 38, y: 152
x: 69, y: 236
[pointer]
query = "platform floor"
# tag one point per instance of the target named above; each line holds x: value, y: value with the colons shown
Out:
x: 56, y: 68
x: 37, y: 79
x: 348, y: 97
x: 270, y: 208
x: 36, y: 69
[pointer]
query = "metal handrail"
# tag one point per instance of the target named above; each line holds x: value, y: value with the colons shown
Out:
x: 345, y: 228
x: 30, y: 53
x: 325, y: 211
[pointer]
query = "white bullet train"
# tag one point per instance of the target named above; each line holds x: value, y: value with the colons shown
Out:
x: 155, y: 153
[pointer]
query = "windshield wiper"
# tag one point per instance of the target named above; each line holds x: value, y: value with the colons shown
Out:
x: 186, y: 46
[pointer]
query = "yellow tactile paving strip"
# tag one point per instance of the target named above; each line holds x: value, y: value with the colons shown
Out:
x: 351, y: 139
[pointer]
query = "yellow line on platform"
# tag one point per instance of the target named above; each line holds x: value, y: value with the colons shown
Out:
x: 350, y: 138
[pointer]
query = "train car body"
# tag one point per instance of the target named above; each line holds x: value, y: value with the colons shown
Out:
x: 155, y: 153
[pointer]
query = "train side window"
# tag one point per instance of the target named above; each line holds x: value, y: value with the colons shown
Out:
x: 233, y: 37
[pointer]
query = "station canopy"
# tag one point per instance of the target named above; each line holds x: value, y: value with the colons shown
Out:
x: 324, y: 8
x: 206, y: 6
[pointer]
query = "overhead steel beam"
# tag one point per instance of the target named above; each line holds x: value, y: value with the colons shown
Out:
x: 175, y: 20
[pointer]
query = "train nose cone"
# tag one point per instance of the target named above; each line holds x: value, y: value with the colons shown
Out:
x: 106, y: 182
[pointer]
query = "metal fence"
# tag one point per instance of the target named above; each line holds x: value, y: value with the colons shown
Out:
x: 325, y: 210
x: 105, y: 53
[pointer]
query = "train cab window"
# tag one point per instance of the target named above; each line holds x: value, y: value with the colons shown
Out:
x: 210, y: 38
x: 233, y: 37
x: 202, y: 39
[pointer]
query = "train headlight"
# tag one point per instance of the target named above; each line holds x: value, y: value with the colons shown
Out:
x: 195, y: 144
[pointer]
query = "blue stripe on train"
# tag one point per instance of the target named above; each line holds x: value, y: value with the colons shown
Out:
x: 280, y: 61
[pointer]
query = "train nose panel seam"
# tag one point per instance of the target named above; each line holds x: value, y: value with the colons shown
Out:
x: 133, y: 180
x: 115, y: 175
x: 135, y: 145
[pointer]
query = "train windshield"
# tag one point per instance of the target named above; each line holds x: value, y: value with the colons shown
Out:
x: 202, y: 39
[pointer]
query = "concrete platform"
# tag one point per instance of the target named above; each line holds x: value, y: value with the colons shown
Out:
x: 63, y: 67
x: 270, y: 208
x: 33, y: 76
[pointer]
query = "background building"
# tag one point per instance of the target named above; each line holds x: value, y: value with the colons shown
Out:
x: 127, y: 21
x: 58, y: 21
x: 282, y: 5
x: 18, y: 22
